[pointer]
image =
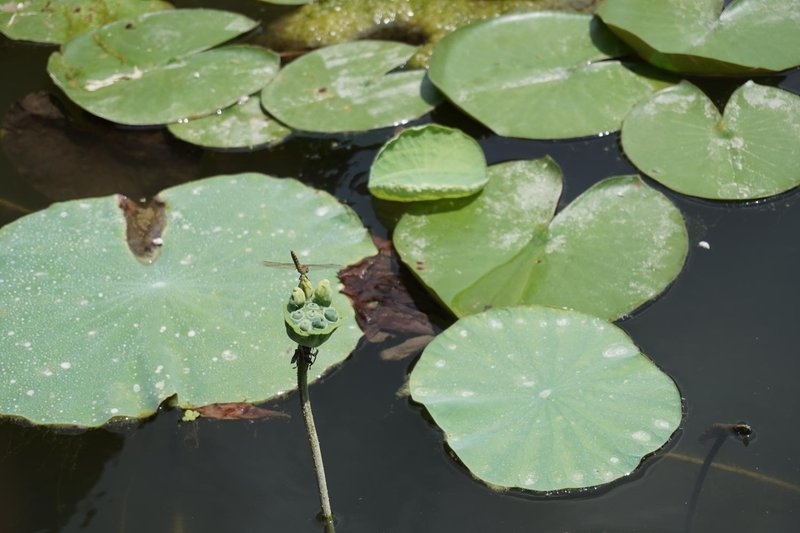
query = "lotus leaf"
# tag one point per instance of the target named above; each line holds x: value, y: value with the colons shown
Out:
x: 89, y: 333
x: 157, y: 68
x: 450, y: 244
x: 428, y: 163
x: 545, y: 75
x: 708, y: 36
x: 243, y: 125
x: 617, y: 246
x: 346, y: 88
x: 545, y: 399
x: 749, y: 152
x: 46, y: 21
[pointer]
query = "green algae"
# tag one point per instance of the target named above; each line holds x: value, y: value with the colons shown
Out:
x: 418, y: 22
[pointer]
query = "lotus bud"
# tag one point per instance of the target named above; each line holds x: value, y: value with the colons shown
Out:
x: 324, y: 295
x: 308, y: 289
x: 298, y: 298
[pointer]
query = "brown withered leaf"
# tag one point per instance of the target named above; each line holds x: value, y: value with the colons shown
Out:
x: 237, y: 411
x: 384, y: 308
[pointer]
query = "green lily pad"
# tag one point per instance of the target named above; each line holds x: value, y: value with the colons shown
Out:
x: 700, y: 36
x: 428, y: 163
x: 157, y: 69
x: 617, y: 246
x: 450, y: 244
x: 749, y: 152
x: 346, y: 88
x: 204, y: 321
x: 48, y: 21
x: 243, y: 125
x: 545, y: 399
x: 545, y: 75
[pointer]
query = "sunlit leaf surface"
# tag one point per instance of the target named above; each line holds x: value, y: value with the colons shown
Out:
x: 545, y: 399
x: 616, y: 246
x: 699, y: 36
x: 428, y: 163
x: 349, y: 87
x: 545, y: 75
x: 158, y: 68
x: 244, y: 125
x: 89, y: 333
x: 750, y: 151
x: 450, y: 244
x: 49, y: 21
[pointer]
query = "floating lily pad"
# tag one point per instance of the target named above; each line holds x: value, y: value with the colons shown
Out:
x: 204, y: 321
x: 346, y: 88
x: 157, y: 68
x: 48, y: 21
x: 450, y: 244
x: 428, y: 163
x: 617, y: 246
x: 749, y: 152
x: 543, y: 75
x: 545, y: 399
x: 243, y: 125
x: 702, y: 36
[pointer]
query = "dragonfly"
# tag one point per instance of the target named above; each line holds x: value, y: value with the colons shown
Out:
x: 301, y: 268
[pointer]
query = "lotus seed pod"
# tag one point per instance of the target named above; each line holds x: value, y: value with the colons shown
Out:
x: 308, y: 289
x: 331, y: 315
x: 310, y: 320
x: 298, y: 298
x: 324, y: 294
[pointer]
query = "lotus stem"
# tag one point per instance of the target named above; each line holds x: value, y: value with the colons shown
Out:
x: 304, y: 358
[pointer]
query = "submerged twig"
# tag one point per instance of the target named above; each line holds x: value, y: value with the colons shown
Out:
x: 720, y: 433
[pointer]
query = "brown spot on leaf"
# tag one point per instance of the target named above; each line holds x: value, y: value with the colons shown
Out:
x: 145, y: 224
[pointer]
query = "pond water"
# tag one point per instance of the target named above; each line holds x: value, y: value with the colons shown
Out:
x: 726, y: 331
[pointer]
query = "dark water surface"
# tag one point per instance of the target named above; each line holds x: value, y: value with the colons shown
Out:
x: 726, y: 331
